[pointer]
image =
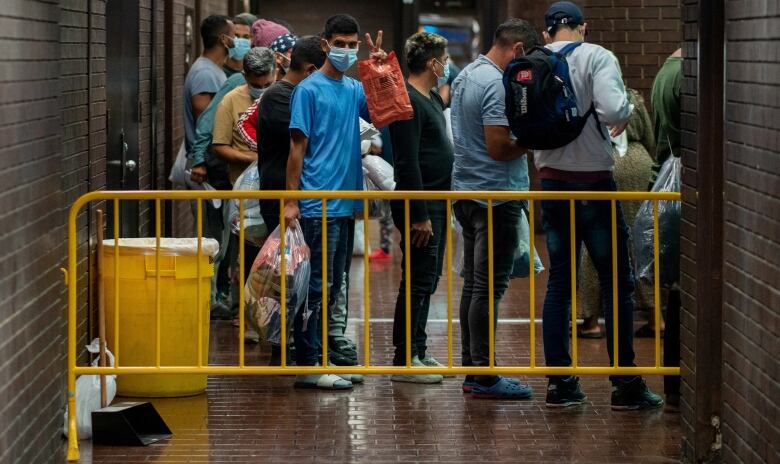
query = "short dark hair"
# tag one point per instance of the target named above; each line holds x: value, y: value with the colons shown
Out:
x: 421, y: 47
x: 307, y: 50
x: 246, y: 19
x: 211, y: 28
x: 516, y: 30
x: 552, y: 30
x: 340, y: 24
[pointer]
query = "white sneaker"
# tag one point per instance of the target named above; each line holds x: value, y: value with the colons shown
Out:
x: 430, y: 361
x: 420, y: 378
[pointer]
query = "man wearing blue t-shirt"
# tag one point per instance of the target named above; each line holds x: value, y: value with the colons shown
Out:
x: 325, y: 155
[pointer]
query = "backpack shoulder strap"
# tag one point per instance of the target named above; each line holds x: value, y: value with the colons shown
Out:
x: 592, y: 111
x: 569, y: 48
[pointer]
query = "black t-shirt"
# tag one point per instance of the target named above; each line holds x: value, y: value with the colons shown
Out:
x: 273, y: 141
x: 422, y: 152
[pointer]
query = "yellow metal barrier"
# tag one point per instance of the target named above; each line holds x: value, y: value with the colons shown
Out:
x: 241, y: 369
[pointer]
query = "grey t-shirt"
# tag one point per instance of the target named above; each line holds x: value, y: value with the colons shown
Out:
x: 204, y: 77
x: 477, y: 101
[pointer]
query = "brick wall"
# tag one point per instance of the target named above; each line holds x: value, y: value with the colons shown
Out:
x: 31, y: 230
x: 751, y: 300
x: 688, y: 269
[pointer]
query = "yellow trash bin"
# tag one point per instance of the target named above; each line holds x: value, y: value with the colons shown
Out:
x: 179, y: 306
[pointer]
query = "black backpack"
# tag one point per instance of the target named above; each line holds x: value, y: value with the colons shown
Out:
x: 540, y: 102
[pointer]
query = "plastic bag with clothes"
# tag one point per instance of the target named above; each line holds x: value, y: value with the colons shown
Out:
x: 521, y: 268
x: 263, y: 289
x: 669, y: 214
x: 386, y: 94
x: 88, y: 394
x: 255, y: 229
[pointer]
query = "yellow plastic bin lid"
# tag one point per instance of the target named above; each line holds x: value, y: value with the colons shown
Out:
x: 169, y: 246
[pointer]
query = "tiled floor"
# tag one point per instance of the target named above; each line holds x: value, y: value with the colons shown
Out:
x: 256, y: 419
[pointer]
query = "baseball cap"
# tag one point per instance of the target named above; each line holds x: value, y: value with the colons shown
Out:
x: 563, y: 13
x: 283, y: 43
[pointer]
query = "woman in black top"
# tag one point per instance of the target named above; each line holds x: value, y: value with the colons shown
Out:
x: 423, y: 157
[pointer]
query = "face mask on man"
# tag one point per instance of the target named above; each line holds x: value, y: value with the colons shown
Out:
x: 256, y: 92
x: 445, y: 77
x: 240, y: 48
x: 342, y: 58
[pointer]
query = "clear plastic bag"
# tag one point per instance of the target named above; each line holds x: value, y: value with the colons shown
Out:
x: 88, y: 394
x: 255, y: 229
x: 262, y: 295
x: 669, y: 214
x: 457, y: 247
x: 521, y: 266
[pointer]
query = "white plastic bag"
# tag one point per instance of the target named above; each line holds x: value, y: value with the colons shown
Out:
x: 255, y: 230
x: 88, y: 394
x: 178, y: 173
x: 379, y: 171
x: 262, y: 295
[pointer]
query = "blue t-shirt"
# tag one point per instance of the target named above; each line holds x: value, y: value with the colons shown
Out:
x: 199, y: 151
x: 326, y: 111
x: 204, y: 77
x: 478, y: 100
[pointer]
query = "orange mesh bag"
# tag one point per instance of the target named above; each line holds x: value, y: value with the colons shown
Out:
x: 386, y: 95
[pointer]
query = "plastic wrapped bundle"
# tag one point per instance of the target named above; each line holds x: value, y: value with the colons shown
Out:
x: 255, y: 229
x: 262, y: 296
x: 380, y: 172
x: 376, y: 207
x: 669, y: 213
x: 523, y: 252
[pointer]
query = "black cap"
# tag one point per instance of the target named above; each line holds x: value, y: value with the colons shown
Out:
x: 563, y: 13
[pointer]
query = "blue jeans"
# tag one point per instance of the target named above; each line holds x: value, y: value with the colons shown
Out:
x: 308, y: 334
x: 593, y: 227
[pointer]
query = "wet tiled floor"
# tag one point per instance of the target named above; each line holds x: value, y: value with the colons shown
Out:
x: 264, y: 419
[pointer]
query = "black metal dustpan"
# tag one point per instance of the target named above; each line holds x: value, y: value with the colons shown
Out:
x: 128, y: 424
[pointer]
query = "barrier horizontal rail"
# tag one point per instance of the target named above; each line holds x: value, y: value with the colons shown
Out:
x: 241, y: 368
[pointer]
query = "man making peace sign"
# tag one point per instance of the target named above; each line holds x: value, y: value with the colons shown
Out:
x: 325, y: 155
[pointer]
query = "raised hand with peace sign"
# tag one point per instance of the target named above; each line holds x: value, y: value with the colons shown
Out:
x: 375, y: 48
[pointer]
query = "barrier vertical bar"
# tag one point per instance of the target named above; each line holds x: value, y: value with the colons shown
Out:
x: 573, y: 263
x: 450, y: 267
x: 324, y: 303
x: 282, y: 246
x: 491, y: 297
x: 73, y: 439
x: 116, y: 282
x: 241, y: 279
x: 656, y: 285
x: 158, y: 295
x: 532, y: 283
x: 366, y: 297
x: 199, y: 226
x: 408, y: 283
x: 615, y: 331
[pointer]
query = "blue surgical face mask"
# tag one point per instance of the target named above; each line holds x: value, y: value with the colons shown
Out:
x: 342, y: 58
x: 256, y: 92
x: 442, y: 80
x: 240, y: 48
